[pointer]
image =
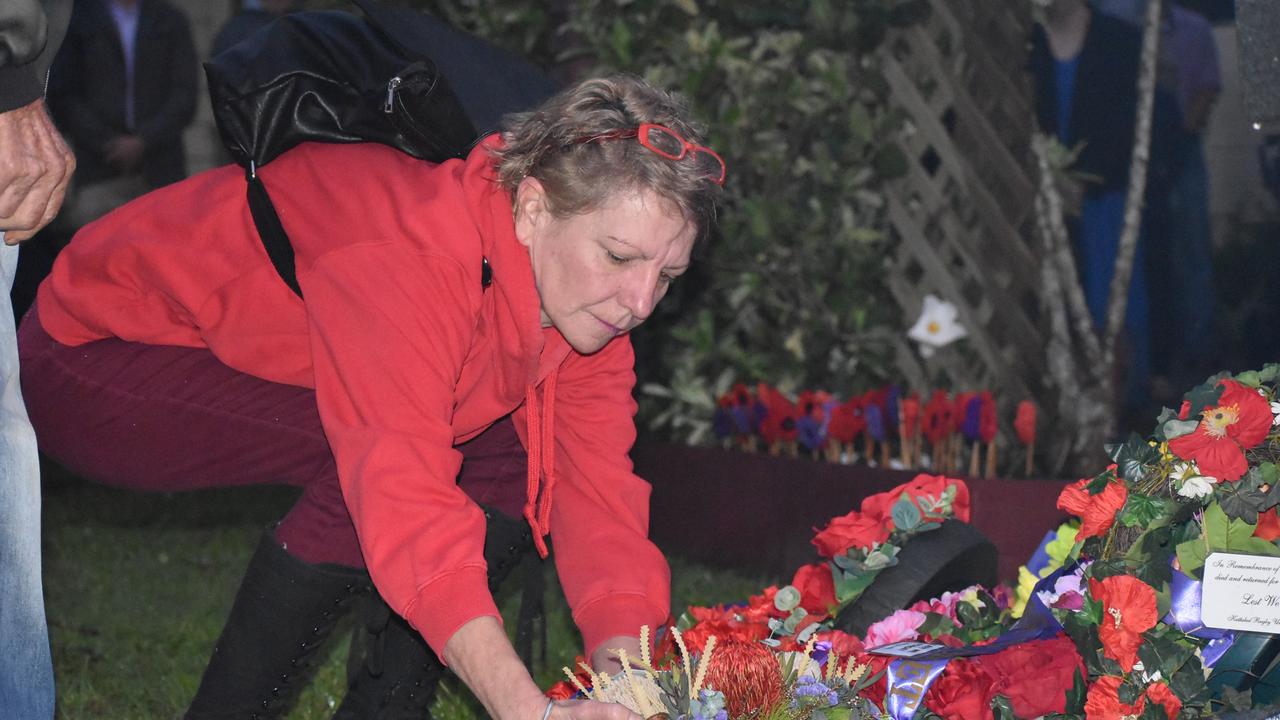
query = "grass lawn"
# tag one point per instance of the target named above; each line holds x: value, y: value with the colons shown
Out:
x: 137, y: 587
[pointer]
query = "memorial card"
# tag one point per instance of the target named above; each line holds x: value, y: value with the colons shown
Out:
x: 1241, y: 592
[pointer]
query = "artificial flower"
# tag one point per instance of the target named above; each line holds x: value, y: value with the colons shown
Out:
x: 855, y: 530
x: 1035, y: 675
x: 1190, y: 483
x: 846, y: 422
x: 1275, y: 410
x: 779, y: 422
x: 1241, y: 420
x: 1128, y: 610
x: 1103, y: 701
x: 937, y: 326
x: 1024, y: 422
x: 900, y: 626
x: 987, y: 424
x: 1067, y: 593
x: 817, y: 589
x: 1268, y: 527
x: 1061, y: 545
x: 1160, y: 694
x: 944, y: 605
x: 937, y: 417
x: 962, y: 692
x: 921, y: 486
x: 1096, y: 512
x: 1026, y: 585
x: 843, y: 645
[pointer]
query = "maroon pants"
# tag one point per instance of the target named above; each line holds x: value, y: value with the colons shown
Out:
x: 164, y: 418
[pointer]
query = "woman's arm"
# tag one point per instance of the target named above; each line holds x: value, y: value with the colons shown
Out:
x: 481, y: 655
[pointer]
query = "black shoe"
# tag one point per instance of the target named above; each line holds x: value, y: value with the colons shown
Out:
x: 283, y: 612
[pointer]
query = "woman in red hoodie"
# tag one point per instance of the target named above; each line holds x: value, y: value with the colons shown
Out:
x: 445, y: 310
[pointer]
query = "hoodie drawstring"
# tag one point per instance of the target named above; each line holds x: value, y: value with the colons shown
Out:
x: 540, y: 431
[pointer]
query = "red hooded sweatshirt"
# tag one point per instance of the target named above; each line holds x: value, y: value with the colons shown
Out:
x: 409, y: 355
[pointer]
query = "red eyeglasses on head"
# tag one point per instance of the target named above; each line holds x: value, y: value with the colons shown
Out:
x: 670, y: 145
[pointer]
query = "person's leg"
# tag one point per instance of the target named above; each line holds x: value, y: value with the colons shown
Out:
x: 26, y: 671
x: 392, y: 672
x: 167, y: 418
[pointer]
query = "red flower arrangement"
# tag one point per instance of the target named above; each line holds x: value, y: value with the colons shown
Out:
x: 1240, y: 421
x: 856, y: 529
x: 817, y: 589
x: 1035, y: 676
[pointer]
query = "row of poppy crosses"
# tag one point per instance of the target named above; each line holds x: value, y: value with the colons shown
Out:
x: 822, y: 426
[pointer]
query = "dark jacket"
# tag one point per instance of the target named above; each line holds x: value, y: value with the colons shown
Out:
x: 1104, y: 106
x: 87, y: 88
x: 30, y: 33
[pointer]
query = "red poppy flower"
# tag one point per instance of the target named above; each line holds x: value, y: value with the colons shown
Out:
x: 760, y: 607
x: 779, y: 422
x: 1128, y: 610
x: 1241, y: 420
x: 817, y: 589
x: 848, y: 531
x: 987, y: 425
x: 937, y: 417
x: 910, y: 415
x: 1103, y: 701
x: 1024, y: 424
x: 1096, y: 512
x: 846, y: 422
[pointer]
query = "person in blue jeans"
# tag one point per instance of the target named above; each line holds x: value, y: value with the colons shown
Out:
x: 35, y: 167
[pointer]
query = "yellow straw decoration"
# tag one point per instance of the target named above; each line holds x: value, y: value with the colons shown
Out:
x: 703, y: 663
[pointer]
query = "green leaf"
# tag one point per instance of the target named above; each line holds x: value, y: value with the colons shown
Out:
x: 1250, y: 378
x: 1216, y: 525
x: 1242, y: 504
x: 1269, y: 372
x: 851, y: 586
x: 1203, y: 396
x: 906, y: 516
x: 1143, y: 510
x: 1191, y: 556
x: 1002, y: 709
x: 787, y: 599
x: 890, y: 162
x: 1177, y: 428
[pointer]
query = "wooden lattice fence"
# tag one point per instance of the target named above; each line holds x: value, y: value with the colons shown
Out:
x: 961, y: 221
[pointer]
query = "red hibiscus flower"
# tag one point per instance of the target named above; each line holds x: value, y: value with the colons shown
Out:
x: 1128, y: 610
x: 1096, y: 512
x: 881, y: 504
x: 1268, y: 525
x: 849, y: 531
x: 1160, y: 694
x: 1024, y: 423
x: 962, y: 692
x: 1103, y: 701
x: 1035, y: 676
x: 1241, y: 420
x: 817, y: 589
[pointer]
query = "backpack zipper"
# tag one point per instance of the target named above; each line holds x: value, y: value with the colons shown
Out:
x: 392, y: 85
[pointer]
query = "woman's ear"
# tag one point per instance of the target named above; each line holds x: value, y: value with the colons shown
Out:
x: 530, y: 209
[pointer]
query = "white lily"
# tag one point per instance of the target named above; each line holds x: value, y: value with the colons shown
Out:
x: 937, y: 326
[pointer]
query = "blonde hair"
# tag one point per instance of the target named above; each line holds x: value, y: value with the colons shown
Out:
x: 554, y: 144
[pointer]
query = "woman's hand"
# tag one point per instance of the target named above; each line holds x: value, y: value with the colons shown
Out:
x: 480, y: 653
x: 606, y: 658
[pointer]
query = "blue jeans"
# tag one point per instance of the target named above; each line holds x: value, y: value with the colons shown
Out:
x: 26, y: 671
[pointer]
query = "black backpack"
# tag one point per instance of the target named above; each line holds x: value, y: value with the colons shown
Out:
x: 331, y: 76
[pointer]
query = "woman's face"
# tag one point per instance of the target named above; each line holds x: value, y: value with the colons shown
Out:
x: 600, y: 273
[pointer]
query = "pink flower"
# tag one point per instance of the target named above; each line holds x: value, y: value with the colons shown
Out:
x: 897, y: 627
x: 945, y: 605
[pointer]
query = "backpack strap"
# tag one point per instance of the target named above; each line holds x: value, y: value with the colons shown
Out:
x: 276, y: 241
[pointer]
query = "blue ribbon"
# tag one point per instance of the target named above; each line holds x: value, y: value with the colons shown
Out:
x: 909, y: 680
x: 1184, y: 614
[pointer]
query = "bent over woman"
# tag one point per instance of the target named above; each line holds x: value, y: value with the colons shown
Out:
x: 461, y: 316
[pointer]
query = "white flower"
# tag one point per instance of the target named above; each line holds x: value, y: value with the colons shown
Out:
x: 1275, y: 410
x: 1193, y: 484
x: 937, y: 326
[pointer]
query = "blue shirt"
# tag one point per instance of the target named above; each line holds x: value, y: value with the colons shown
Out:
x: 126, y: 19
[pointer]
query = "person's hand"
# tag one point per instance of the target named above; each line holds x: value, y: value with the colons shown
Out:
x: 606, y: 659
x: 35, y: 167
x: 124, y: 152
